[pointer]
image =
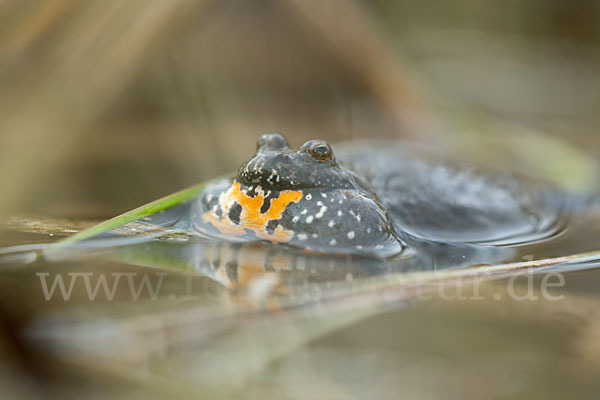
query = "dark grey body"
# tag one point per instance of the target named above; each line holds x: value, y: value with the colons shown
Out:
x: 377, y: 201
x: 446, y: 202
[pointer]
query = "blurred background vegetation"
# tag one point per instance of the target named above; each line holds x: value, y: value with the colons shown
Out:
x: 106, y: 105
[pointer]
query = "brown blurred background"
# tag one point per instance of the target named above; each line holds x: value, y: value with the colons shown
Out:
x: 106, y: 105
x: 110, y: 104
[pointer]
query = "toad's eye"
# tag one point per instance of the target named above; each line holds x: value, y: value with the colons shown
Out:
x: 273, y: 141
x: 321, y: 152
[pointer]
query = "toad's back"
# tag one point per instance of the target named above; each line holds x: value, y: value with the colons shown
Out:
x: 446, y: 202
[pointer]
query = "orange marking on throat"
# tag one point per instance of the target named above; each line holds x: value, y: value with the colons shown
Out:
x: 250, y: 216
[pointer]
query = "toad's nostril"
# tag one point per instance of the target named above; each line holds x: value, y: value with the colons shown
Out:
x: 273, y: 141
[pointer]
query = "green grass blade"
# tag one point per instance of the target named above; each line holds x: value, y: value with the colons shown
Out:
x: 133, y: 215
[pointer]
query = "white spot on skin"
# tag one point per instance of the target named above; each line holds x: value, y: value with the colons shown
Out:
x: 359, y: 247
x: 314, y: 235
x: 358, y: 217
x: 324, y: 195
x: 319, y: 203
x: 321, y: 212
x: 309, y: 219
x: 369, y: 230
x: 303, y: 212
x: 331, y: 224
x: 378, y: 247
x: 309, y: 196
x: 332, y: 242
x: 295, y: 219
x: 340, y: 213
x: 351, y: 235
x: 302, y: 236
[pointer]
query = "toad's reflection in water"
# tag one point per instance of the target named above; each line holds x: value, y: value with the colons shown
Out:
x: 265, y: 268
x: 240, y: 265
